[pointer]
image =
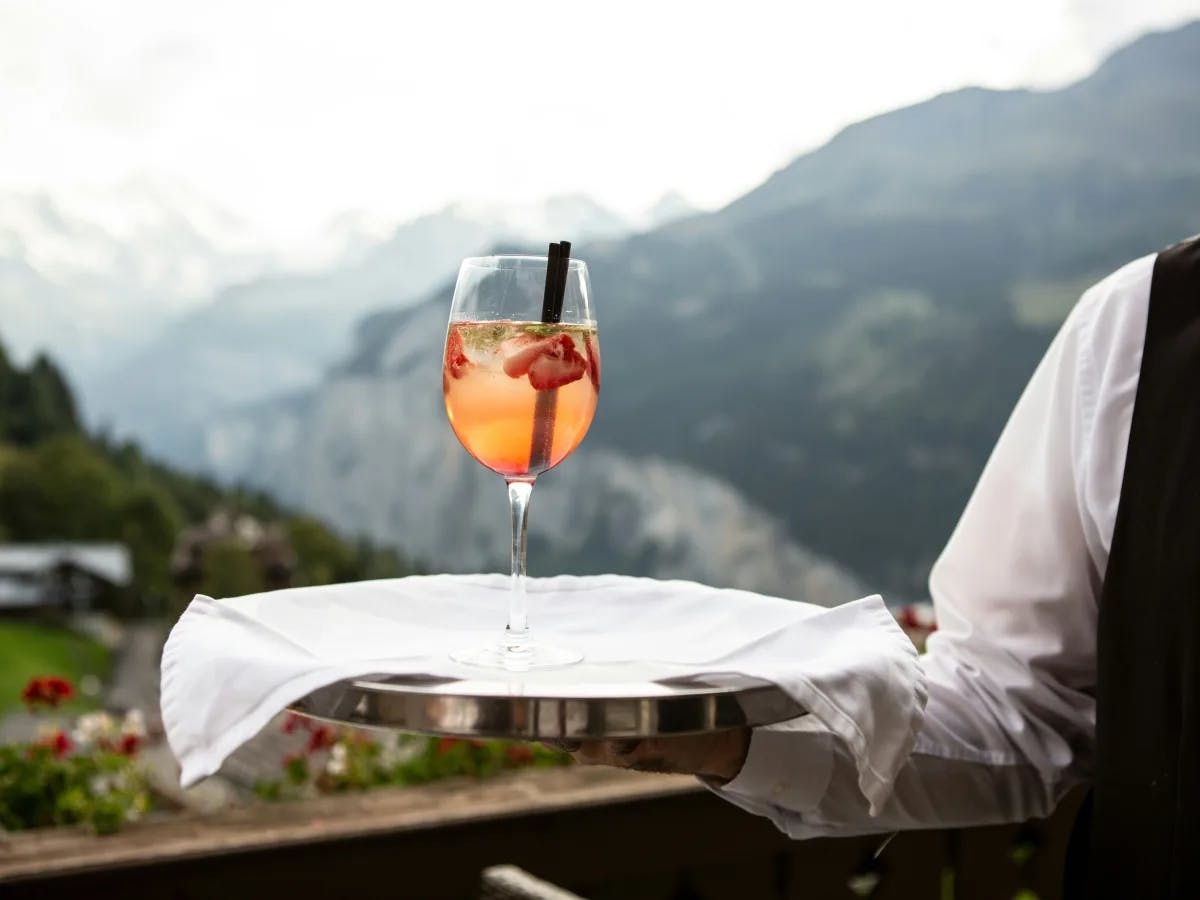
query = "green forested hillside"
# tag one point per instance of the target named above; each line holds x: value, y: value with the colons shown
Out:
x: 59, y: 483
x: 34, y: 404
x: 845, y: 342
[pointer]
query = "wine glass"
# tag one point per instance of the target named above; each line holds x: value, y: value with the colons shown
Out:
x: 520, y: 377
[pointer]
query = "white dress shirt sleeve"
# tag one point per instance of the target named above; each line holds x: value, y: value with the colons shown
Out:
x: 1011, y: 671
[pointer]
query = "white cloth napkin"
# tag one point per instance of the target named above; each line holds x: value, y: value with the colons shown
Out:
x: 229, y: 666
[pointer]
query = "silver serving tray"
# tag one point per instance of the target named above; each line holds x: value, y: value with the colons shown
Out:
x: 579, y: 702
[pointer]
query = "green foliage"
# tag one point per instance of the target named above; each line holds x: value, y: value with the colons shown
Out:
x: 269, y: 789
x: 65, y: 488
x: 337, y: 760
x: 56, y: 483
x: 323, y: 557
x: 60, y: 489
x: 230, y: 570
x: 296, y: 770
x: 88, y: 776
x: 195, y: 497
x: 34, y: 404
x: 383, y: 562
x: 40, y: 788
x: 149, y: 521
x: 28, y: 650
x: 450, y: 757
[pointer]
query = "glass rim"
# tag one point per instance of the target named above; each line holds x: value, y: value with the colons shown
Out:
x: 498, y: 260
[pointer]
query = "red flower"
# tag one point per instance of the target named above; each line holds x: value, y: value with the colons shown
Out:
x: 32, y: 692
x: 294, y: 721
x: 129, y: 744
x: 58, y: 743
x: 321, y: 738
x: 60, y: 689
x: 445, y: 745
x: 519, y: 754
x: 48, y: 690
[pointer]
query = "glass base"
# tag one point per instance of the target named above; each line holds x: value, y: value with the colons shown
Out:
x: 517, y: 659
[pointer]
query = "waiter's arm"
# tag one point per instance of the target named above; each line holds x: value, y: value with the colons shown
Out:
x: 1010, y: 719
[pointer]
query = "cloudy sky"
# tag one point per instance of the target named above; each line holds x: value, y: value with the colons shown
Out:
x: 290, y: 113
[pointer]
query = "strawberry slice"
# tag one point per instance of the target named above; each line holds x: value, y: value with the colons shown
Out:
x: 593, y: 358
x: 457, y: 362
x: 519, y: 353
x: 550, y: 362
x: 558, y: 364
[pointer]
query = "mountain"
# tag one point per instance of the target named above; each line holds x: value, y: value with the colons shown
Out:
x: 841, y: 345
x: 670, y: 207
x: 1131, y: 120
x: 91, y: 273
x: 279, y: 333
x: 371, y: 451
x: 845, y: 342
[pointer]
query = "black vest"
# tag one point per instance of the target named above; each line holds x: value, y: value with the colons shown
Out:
x: 1144, y: 813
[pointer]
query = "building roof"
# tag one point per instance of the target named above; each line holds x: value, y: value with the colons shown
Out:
x: 110, y: 562
x: 18, y: 593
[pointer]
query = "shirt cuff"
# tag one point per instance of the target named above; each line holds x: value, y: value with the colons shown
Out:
x: 788, y: 766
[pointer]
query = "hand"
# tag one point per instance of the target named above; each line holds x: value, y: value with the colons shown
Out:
x: 717, y: 755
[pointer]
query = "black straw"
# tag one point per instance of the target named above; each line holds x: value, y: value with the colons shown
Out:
x: 558, y: 260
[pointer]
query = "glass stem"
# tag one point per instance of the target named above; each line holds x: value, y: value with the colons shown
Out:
x: 516, y: 635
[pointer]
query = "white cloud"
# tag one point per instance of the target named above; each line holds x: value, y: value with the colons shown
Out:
x: 290, y: 113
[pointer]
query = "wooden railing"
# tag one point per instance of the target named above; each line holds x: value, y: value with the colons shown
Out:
x: 604, y: 834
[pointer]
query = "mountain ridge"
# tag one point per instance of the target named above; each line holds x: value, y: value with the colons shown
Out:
x: 844, y: 344
x: 278, y: 333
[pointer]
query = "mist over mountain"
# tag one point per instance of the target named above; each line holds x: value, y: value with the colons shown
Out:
x: 843, y: 344
x: 670, y: 207
x: 280, y: 332
x: 575, y: 214
x: 91, y: 273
